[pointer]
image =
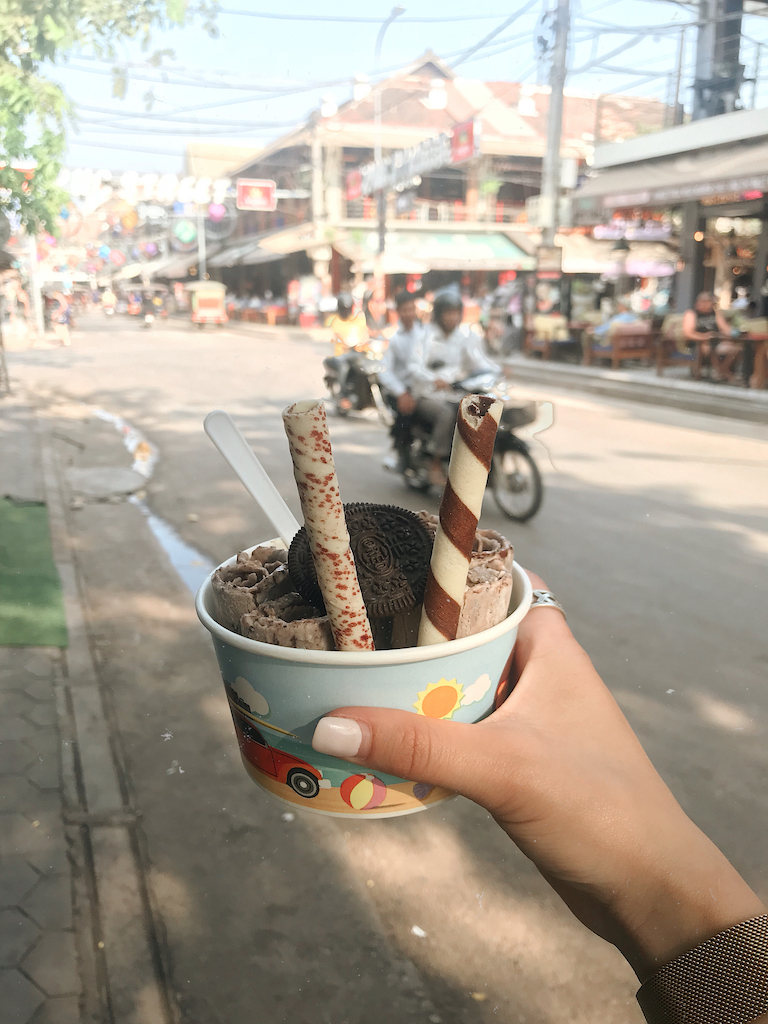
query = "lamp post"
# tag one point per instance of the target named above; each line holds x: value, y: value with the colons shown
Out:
x: 621, y: 251
x: 381, y: 195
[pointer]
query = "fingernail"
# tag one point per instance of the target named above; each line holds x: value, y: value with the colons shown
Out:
x: 341, y: 737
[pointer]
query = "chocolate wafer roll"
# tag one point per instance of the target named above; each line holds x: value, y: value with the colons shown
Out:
x: 473, y: 441
x: 315, y: 474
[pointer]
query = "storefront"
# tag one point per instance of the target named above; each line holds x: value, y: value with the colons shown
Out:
x: 711, y: 179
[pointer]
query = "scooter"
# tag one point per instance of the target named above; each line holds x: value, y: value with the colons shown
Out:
x: 514, y: 479
x: 361, y: 388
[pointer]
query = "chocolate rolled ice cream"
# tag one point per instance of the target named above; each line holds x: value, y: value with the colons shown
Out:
x: 258, y: 597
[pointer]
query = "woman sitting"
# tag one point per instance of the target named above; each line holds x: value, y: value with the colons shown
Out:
x: 705, y: 325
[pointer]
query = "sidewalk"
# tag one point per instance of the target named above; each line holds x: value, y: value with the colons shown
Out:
x: 675, y: 389
x: 76, y: 943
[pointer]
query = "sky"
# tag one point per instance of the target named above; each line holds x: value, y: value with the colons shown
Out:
x: 264, y: 75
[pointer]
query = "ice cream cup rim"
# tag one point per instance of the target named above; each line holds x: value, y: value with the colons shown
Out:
x: 406, y: 655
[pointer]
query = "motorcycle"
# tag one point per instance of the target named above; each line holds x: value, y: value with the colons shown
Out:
x: 514, y: 478
x: 361, y: 388
x: 149, y: 319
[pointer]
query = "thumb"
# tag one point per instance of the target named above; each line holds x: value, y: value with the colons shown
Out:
x: 473, y: 760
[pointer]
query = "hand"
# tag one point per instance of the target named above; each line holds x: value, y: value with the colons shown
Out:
x: 561, y: 771
x: 442, y: 385
x: 406, y: 403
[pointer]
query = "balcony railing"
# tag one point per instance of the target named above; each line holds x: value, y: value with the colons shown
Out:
x: 431, y: 210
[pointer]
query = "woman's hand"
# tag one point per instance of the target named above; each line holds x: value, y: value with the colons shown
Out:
x: 560, y: 769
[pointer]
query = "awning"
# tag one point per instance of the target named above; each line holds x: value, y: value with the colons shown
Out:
x: 585, y: 255
x: 408, y: 252
x: 730, y: 172
x: 246, y: 252
x: 175, y: 266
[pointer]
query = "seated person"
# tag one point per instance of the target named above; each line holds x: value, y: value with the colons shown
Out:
x: 706, y: 325
x: 350, y: 334
x: 623, y: 315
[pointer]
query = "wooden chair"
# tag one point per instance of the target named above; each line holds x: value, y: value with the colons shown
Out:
x: 544, y: 332
x: 624, y: 341
x: 674, y: 350
x: 757, y: 332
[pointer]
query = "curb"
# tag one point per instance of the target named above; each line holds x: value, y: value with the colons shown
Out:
x: 120, y: 951
x: 691, y: 396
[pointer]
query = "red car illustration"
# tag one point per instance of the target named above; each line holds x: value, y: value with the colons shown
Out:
x: 303, y: 778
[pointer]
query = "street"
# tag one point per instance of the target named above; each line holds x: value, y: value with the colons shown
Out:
x: 653, y: 536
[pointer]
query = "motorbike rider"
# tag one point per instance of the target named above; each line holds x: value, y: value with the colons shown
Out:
x: 447, y: 353
x: 395, y: 379
x: 350, y: 334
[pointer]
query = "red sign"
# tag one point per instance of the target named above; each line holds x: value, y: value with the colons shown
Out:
x: 354, y: 185
x: 465, y: 142
x: 256, y: 194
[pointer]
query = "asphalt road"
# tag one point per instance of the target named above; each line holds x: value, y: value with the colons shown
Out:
x: 653, y: 535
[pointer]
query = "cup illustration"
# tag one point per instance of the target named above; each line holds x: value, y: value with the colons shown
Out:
x: 278, y: 694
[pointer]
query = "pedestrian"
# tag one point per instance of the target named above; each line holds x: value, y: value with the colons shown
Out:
x: 559, y: 768
x: 706, y: 326
x: 395, y: 380
x: 62, y: 317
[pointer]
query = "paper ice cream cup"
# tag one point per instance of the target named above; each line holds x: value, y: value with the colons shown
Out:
x: 277, y: 695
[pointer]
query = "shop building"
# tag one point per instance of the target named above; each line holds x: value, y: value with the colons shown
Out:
x: 709, y: 180
x: 459, y: 219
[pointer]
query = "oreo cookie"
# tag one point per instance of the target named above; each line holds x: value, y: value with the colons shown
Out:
x: 391, y: 548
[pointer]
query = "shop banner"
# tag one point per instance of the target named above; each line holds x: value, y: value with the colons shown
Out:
x: 465, y: 141
x: 256, y: 194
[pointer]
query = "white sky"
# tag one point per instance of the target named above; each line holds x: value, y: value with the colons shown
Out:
x: 236, y: 88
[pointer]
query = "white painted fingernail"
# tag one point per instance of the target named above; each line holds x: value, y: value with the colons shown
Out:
x: 340, y: 737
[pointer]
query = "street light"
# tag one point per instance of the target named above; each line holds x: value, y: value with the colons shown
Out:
x: 621, y: 248
x: 381, y: 198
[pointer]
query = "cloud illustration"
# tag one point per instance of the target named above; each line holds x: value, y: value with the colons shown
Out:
x: 250, y: 697
x: 477, y: 690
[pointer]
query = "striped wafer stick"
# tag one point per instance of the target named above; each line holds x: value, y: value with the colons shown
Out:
x: 313, y: 468
x: 473, y: 441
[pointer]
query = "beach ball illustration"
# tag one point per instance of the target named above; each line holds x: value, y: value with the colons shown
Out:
x: 363, y: 792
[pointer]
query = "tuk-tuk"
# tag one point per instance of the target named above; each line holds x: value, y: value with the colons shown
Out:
x: 207, y: 302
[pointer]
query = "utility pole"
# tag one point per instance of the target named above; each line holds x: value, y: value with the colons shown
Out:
x: 381, y: 195
x: 550, y: 171
x: 679, y: 109
x: 33, y: 283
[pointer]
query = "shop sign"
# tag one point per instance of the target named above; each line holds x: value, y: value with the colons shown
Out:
x: 430, y: 155
x: 749, y: 184
x: 256, y: 194
x: 464, y: 145
x: 633, y: 231
x: 354, y: 184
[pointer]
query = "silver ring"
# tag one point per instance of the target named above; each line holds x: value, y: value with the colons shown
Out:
x: 545, y: 599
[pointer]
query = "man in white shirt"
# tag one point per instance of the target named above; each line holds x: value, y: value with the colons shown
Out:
x: 423, y: 366
x: 396, y: 376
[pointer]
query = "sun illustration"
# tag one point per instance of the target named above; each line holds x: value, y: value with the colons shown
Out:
x: 440, y: 700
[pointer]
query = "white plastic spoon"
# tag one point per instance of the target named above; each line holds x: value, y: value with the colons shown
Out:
x: 225, y: 434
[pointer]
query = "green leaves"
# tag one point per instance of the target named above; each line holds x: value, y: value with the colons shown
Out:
x: 34, y: 111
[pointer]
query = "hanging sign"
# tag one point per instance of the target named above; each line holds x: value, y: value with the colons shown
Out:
x: 256, y: 194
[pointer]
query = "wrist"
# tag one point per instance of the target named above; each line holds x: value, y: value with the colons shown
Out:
x: 691, y: 898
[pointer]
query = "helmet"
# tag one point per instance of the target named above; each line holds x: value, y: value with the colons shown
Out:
x: 445, y: 299
x: 344, y: 304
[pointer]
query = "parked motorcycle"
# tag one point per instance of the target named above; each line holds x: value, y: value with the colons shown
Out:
x: 361, y: 388
x: 514, y: 478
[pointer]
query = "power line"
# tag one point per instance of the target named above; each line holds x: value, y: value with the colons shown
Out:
x: 492, y: 35
x: 274, y: 16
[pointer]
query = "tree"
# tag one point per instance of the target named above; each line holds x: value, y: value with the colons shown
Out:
x: 34, y: 112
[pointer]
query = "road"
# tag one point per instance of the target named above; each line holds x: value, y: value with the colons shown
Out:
x: 652, y: 534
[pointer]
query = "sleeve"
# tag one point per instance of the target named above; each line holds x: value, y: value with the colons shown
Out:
x: 418, y: 373
x: 388, y: 377
x: 474, y: 358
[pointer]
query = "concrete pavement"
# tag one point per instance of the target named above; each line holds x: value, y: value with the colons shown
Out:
x: 653, y: 535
